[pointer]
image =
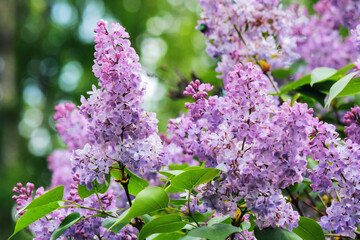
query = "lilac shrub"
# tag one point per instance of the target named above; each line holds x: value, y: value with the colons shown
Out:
x: 246, y: 157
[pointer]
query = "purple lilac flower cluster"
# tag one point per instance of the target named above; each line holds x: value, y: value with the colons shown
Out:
x: 71, y: 126
x: 119, y: 129
x: 342, y: 12
x: 87, y: 228
x: 337, y: 173
x: 260, y: 146
x: 356, y: 36
x: 317, y: 37
x: 243, y: 31
x: 239, y: 31
x: 352, y: 118
x: 110, y: 127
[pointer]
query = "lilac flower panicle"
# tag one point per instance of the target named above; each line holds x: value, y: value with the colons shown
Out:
x: 24, y: 196
x: 338, y: 162
x: 353, y: 120
x: 60, y: 166
x: 71, y: 126
x: 198, y: 90
x: 119, y: 129
x: 260, y: 146
x: 318, y: 41
x: 355, y: 34
x: 86, y: 229
x: 239, y: 31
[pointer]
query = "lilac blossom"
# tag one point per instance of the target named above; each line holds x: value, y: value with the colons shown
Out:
x: 119, y: 130
x: 338, y: 162
x: 260, y: 146
x: 85, y: 229
x: 317, y: 37
x: 355, y: 34
x: 71, y: 125
x: 241, y: 31
x: 353, y: 120
x: 24, y: 196
x: 342, y: 12
x: 60, y: 166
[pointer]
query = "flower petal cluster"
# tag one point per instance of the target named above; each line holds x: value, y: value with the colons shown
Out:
x: 239, y: 31
x: 60, y: 166
x: 337, y: 173
x: 317, y: 36
x: 119, y: 130
x: 242, y: 31
x: 352, y: 118
x: 260, y: 147
x: 86, y: 229
x: 71, y: 125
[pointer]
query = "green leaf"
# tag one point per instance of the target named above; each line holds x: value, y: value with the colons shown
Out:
x: 193, y: 177
x: 311, y: 163
x: 274, y: 233
x: 34, y: 214
x: 321, y: 74
x: 219, y: 219
x: 351, y: 88
x: 294, y: 187
x: 68, y: 221
x: 324, y: 74
x: 169, y: 236
x: 298, y: 83
x: 163, y: 224
x: 83, y: 192
x: 171, y: 173
x: 148, y: 200
x: 187, y: 237
x: 178, y: 201
x: 252, y: 219
x: 178, y: 166
x: 215, y: 232
x: 199, y: 217
x: 313, y: 93
x: 53, y: 195
x: 136, y: 183
x: 245, y: 225
x: 281, y: 73
x: 111, y: 224
x: 339, y: 86
x: 309, y: 229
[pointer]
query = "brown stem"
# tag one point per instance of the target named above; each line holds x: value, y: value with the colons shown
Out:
x: 308, y: 195
x: 314, y: 208
x: 295, y: 201
x: 124, y: 181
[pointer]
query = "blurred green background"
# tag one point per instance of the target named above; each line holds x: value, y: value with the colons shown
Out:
x: 46, y: 55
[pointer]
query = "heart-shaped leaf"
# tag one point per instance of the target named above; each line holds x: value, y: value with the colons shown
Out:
x: 214, y: 232
x: 163, y: 224
x: 339, y: 86
x: 148, y: 200
x: 34, y: 214
x: 68, y: 221
x: 321, y: 74
x: 309, y: 229
x: 193, y: 177
x: 274, y: 233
